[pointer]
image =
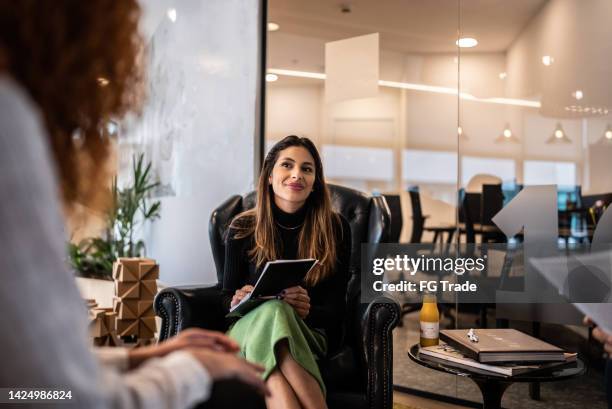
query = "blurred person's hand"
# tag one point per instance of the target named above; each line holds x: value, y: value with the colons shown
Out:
x: 298, y: 298
x: 240, y: 294
x: 191, y: 338
x: 600, y: 335
x: 224, y: 366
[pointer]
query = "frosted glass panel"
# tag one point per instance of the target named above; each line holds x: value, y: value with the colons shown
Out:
x: 429, y: 166
x: 347, y: 162
x: 198, y: 124
x: 351, y: 68
x: 502, y: 168
x: 549, y: 173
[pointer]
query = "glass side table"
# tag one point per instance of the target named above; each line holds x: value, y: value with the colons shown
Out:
x: 493, y: 386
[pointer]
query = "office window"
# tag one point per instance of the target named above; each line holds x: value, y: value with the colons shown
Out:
x: 361, y: 163
x: 421, y: 166
x: 549, y: 173
x: 505, y: 169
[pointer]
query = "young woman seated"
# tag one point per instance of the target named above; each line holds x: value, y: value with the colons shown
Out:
x: 292, y: 219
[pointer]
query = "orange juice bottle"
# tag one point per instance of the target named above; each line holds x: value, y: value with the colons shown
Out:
x: 430, y: 321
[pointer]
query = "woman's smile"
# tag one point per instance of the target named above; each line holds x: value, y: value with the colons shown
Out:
x: 295, y: 186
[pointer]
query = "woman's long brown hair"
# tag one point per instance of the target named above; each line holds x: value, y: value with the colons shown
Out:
x: 78, y: 61
x: 316, y: 239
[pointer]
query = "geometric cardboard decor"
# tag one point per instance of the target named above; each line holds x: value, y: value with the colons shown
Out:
x: 102, y: 325
x: 135, y: 288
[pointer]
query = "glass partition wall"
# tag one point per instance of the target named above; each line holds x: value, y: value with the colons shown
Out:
x: 534, y: 113
x: 459, y: 111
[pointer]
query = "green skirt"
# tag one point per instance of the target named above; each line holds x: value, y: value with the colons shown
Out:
x: 262, y: 328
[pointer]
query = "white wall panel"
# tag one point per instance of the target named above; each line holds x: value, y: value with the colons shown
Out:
x: 198, y: 124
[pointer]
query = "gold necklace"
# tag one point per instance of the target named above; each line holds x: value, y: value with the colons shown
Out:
x: 290, y: 228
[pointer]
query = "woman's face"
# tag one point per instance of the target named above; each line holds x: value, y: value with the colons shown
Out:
x: 292, y: 178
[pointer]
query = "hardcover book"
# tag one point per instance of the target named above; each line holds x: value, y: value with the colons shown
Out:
x: 502, y: 345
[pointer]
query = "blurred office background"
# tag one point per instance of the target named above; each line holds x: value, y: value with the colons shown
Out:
x: 467, y: 92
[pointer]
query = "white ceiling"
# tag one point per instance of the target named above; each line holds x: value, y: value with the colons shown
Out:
x: 412, y: 26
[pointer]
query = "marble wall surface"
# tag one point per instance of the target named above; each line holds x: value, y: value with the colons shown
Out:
x: 198, y: 124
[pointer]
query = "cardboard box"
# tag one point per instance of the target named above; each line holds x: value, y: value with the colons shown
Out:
x: 145, y: 308
x: 147, y: 327
x: 127, y: 327
x: 148, y: 270
x: 127, y: 289
x: 125, y: 309
x: 126, y: 269
x: 148, y: 289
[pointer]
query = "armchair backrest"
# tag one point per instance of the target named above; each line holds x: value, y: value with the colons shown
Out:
x: 368, y: 217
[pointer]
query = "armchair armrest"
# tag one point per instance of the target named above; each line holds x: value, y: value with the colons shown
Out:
x: 377, y: 321
x: 184, y: 307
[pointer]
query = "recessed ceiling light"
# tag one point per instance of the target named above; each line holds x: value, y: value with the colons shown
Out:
x: 171, y: 13
x: 547, y: 60
x: 578, y: 94
x: 467, y: 42
x: 103, y: 81
x: 273, y: 26
x: 271, y: 77
x: 502, y: 75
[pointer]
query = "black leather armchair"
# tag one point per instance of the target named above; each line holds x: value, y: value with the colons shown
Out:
x: 359, y: 373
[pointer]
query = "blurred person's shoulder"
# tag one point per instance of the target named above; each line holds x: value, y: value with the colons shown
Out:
x: 16, y: 106
x: 21, y: 123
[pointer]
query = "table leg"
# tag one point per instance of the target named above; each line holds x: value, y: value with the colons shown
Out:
x: 534, y: 387
x: 534, y: 390
x: 492, y: 392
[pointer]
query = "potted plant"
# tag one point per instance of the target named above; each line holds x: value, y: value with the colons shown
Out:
x: 93, y: 257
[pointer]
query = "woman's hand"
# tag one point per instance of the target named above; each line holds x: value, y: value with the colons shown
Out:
x: 298, y: 298
x: 240, y: 294
x: 223, y: 365
x: 600, y: 335
x: 191, y: 338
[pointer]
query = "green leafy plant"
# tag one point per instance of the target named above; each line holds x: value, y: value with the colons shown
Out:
x: 94, y: 256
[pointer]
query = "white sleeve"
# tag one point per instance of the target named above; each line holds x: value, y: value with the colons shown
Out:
x: 175, y: 381
x: 113, y: 358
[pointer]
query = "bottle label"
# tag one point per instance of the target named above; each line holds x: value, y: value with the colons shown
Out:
x: 430, y: 330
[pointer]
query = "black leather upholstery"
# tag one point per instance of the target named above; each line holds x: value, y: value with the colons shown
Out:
x: 359, y: 373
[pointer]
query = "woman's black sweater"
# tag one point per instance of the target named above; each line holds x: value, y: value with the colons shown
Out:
x: 327, y: 298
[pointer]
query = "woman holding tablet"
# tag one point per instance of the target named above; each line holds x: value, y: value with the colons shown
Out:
x: 292, y: 219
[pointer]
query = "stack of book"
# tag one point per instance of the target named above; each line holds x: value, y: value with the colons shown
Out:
x: 505, y: 352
